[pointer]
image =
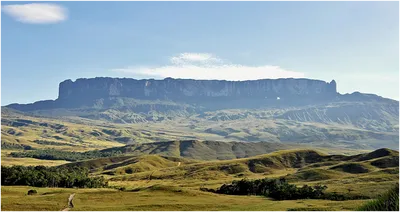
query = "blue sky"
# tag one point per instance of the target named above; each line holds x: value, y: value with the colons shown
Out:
x: 355, y: 43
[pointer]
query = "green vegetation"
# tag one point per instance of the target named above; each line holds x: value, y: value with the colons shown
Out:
x: 154, y: 182
x: 170, y: 156
x: 45, y: 142
x: 5, y: 145
x: 273, y: 125
x: 127, y: 164
x: 126, y: 154
x: 280, y: 189
x: 296, y: 165
x: 32, y: 192
x: 41, y: 176
x: 315, y: 174
x: 354, y: 168
x: 53, y: 154
x: 201, y: 150
x: 387, y: 202
x: 156, y: 198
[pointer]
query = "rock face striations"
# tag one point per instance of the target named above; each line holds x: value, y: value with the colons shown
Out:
x: 211, y: 94
x: 181, y: 89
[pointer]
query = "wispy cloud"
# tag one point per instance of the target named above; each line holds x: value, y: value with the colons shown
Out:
x: 36, y: 13
x: 208, y: 66
x: 190, y: 57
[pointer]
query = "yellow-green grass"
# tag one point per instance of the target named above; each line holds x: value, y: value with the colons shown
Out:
x: 154, y: 198
x: 65, y: 138
x: 303, y: 165
x: 6, y: 160
x: 177, y: 187
x: 177, y: 129
x: 277, y: 164
x: 9, y: 161
x: 274, y: 164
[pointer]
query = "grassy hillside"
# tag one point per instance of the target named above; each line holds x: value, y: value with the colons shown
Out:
x: 202, y: 150
x: 7, y: 160
x: 155, y: 198
x: 26, y: 132
x: 155, y: 182
x: 131, y: 164
x: 264, y: 164
x: 296, y: 165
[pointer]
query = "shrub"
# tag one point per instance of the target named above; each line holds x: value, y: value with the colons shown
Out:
x: 32, y: 192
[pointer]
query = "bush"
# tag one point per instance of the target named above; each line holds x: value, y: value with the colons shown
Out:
x: 32, y: 192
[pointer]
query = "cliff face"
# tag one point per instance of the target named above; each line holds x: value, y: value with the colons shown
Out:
x: 182, y: 89
x: 131, y: 94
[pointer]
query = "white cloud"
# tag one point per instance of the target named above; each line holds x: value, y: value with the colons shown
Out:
x: 192, y: 57
x: 207, y: 66
x: 195, y: 58
x: 36, y: 13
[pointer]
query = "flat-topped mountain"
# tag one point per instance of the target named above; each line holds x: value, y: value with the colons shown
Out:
x: 179, y: 89
x: 104, y: 92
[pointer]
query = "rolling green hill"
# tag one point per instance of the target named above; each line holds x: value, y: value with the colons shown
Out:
x: 201, y: 150
x: 306, y: 165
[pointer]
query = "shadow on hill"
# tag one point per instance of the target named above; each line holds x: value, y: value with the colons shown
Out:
x: 353, y: 168
x: 310, y: 165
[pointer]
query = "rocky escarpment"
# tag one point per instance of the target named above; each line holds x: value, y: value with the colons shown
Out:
x: 176, y: 89
x: 212, y: 94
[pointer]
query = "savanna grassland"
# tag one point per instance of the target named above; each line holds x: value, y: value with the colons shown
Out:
x: 153, y: 182
x: 173, y: 165
x: 154, y: 198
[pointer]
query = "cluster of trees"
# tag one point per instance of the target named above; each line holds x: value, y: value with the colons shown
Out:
x: 41, y: 176
x: 280, y: 189
x: 53, y: 154
x: 45, y: 142
x: 7, y: 145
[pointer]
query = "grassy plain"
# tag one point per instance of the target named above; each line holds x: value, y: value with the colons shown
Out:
x: 154, y: 198
x: 168, y: 183
x: 11, y: 161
